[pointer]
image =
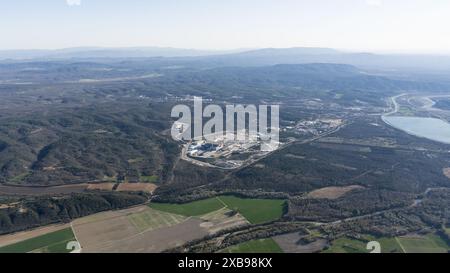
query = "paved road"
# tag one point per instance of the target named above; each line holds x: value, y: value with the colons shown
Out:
x: 396, y: 105
x: 285, y: 146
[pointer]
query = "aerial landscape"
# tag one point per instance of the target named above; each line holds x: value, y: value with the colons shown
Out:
x: 355, y: 157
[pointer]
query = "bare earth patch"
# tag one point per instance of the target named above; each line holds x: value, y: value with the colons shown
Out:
x: 295, y: 156
x: 222, y: 219
x: 446, y: 172
x: 103, y: 228
x: 153, y: 241
x: 139, y: 229
x: 101, y: 187
x: 8, y: 206
x: 136, y: 187
x: 145, y: 230
x: 332, y: 192
x: 290, y: 243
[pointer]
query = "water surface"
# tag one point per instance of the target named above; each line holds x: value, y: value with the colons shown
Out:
x: 430, y: 128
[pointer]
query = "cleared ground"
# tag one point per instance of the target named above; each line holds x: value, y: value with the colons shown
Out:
x: 10, y: 205
x: 101, y: 187
x: 222, y: 219
x: 150, y: 219
x: 54, y: 242
x: 99, y: 230
x: 255, y: 246
x: 446, y: 172
x: 290, y: 243
x: 153, y: 241
x: 143, y: 229
x: 430, y: 243
x: 332, y: 192
x: 349, y: 245
x: 137, y: 187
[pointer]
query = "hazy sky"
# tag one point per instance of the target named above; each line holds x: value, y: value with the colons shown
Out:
x: 372, y: 25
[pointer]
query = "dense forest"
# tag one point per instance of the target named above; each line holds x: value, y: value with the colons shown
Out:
x: 90, y: 144
x: 27, y: 214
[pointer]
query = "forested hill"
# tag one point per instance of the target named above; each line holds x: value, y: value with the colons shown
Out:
x: 316, y: 76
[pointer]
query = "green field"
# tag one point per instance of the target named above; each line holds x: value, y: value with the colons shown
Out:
x: 149, y: 179
x: 54, y: 242
x: 256, y: 211
x: 20, y: 177
x: 430, y: 243
x: 196, y: 208
x: 349, y: 245
x: 255, y: 246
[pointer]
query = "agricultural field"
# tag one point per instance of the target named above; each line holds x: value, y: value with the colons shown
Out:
x: 123, y: 187
x: 108, y: 228
x: 101, y: 187
x: 430, y: 243
x: 153, y: 219
x: 196, y: 208
x: 136, y: 187
x: 138, y: 229
x: 256, y: 211
x: 149, y: 179
x: 146, y: 230
x: 255, y: 246
x: 349, y: 245
x: 54, y: 242
x: 221, y: 219
x: 291, y: 243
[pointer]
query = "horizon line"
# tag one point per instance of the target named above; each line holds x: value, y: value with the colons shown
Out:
x: 244, y: 49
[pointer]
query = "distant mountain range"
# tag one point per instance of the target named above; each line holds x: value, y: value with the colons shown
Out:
x: 264, y: 57
x: 99, y: 52
x: 241, y: 57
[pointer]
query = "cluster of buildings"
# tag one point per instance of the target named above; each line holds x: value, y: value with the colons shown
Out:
x: 316, y: 127
x: 201, y: 148
x: 220, y: 148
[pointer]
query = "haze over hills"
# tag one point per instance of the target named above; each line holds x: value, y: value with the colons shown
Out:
x: 242, y: 57
x: 264, y: 57
x: 102, y: 52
